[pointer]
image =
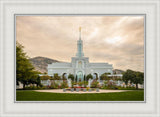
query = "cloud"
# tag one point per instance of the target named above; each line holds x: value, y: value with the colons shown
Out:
x: 118, y: 40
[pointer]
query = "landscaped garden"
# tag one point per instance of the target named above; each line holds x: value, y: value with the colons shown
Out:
x: 79, y: 91
x: 84, y: 88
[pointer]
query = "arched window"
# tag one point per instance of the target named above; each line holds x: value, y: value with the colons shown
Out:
x: 80, y: 64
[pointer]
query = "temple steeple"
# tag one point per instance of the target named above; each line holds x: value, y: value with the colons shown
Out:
x: 79, y: 33
x: 80, y: 45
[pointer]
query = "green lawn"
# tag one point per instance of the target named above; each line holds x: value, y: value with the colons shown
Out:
x: 28, y: 95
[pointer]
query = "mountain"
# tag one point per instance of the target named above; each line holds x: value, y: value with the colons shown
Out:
x: 118, y: 71
x: 41, y: 63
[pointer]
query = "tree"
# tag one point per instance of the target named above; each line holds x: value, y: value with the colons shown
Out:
x: 35, y: 79
x: 133, y: 77
x: 89, y: 76
x: 138, y: 79
x: 71, y: 76
x: 56, y: 76
x: 96, y: 76
x: 32, y: 80
x: 76, y: 78
x: 38, y: 82
x: 46, y: 77
x: 94, y: 84
x: 104, y: 76
x: 24, y: 69
x: 63, y: 77
x: 128, y: 76
x: 84, y: 78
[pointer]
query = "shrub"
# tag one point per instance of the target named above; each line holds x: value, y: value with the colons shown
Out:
x: 54, y: 85
x: 127, y: 88
x: 45, y: 87
x: 64, y: 84
x: 41, y: 85
x: 111, y: 85
x: 120, y: 79
x: 80, y: 83
x: 104, y: 77
x: 56, y: 76
x: 85, y: 83
x: 46, y: 77
x: 87, y: 88
x: 94, y: 84
x: 105, y: 83
x: 32, y: 88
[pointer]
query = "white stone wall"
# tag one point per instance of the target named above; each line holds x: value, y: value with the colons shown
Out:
x: 60, y: 71
x: 87, y: 68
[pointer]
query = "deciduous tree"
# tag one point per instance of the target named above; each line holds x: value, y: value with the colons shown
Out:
x: 71, y: 76
x: 56, y: 76
x: 89, y: 76
x: 24, y: 69
x: 104, y: 77
x: 134, y: 77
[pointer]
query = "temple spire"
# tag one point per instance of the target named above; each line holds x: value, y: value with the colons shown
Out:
x: 80, y: 45
x: 79, y: 33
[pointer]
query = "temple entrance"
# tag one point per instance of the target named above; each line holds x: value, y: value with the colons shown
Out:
x: 79, y: 76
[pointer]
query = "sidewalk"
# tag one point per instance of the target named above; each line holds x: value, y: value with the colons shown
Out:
x: 61, y: 91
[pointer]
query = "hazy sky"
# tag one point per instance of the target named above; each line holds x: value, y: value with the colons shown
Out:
x: 118, y: 40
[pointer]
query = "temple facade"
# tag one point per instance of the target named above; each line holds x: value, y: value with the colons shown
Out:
x: 79, y: 65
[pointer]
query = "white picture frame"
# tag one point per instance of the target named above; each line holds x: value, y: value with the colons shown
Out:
x: 150, y: 8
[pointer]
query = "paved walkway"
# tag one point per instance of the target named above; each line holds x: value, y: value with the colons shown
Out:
x: 61, y: 91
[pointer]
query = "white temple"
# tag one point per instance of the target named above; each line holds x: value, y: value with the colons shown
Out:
x: 80, y: 65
